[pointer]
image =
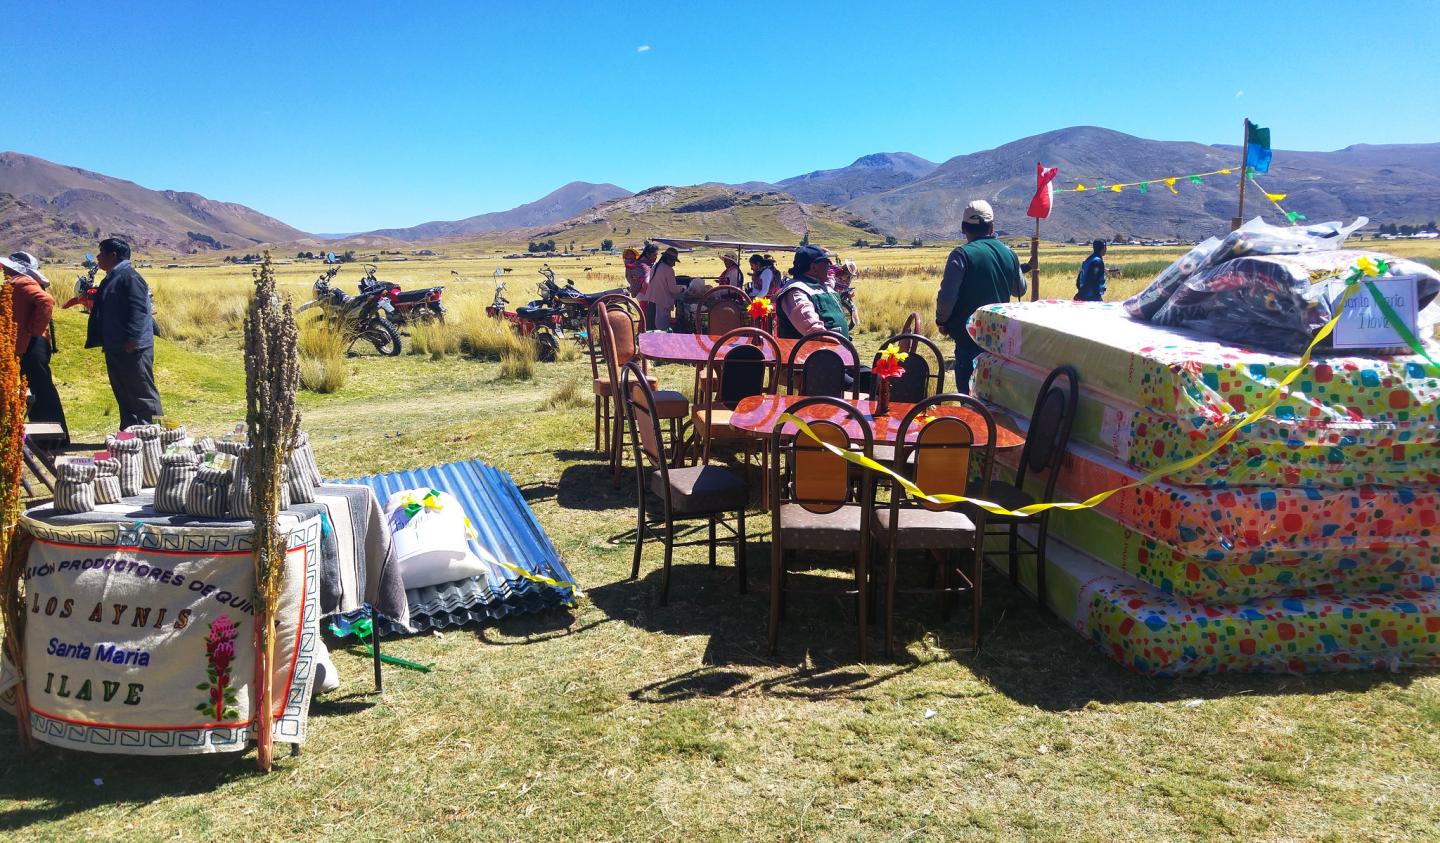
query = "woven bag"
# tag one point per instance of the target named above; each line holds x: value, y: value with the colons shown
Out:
x: 307, y: 459
x: 209, y: 494
x: 132, y: 469
x: 150, y: 450
x: 75, y: 487
x: 107, y: 481
x: 177, y: 473
x: 204, y: 445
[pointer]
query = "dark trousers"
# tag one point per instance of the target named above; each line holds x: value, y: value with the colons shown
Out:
x: 35, y: 366
x: 965, y: 353
x: 132, y: 379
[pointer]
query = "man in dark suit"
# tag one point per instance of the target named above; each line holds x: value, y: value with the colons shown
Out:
x: 123, y: 326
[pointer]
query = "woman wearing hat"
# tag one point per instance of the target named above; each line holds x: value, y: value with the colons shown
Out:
x: 732, y: 276
x: 637, y: 273
x: 660, y: 293
x: 32, y: 309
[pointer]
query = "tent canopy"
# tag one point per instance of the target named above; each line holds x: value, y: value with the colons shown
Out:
x: 736, y: 245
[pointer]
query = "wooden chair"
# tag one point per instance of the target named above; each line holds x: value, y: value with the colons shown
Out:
x: 742, y: 369
x: 814, y: 506
x: 599, y: 375
x: 1044, y: 453
x: 722, y: 310
x: 942, y: 455
x: 619, y: 344
x: 824, y: 371
x: 913, y: 325
x: 38, y: 463
x: 702, y: 491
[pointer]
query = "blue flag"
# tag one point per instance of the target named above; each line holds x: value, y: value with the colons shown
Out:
x: 1257, y: 148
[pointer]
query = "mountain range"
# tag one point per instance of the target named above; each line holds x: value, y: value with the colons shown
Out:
x: 51, y: 208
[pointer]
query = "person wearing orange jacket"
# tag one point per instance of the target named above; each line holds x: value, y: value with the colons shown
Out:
x: 33, y: 307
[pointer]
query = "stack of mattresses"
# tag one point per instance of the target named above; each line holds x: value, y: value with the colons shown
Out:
x: 1307, y: 543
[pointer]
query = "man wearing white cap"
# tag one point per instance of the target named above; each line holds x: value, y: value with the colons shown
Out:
x: 32, y: 310
x: 982, y: 271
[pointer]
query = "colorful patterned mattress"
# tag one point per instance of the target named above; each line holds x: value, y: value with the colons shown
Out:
x: 1374, y: 402
x: 1148, y: 441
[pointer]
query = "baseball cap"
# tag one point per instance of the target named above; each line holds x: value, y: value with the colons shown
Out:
x: 978, y: 211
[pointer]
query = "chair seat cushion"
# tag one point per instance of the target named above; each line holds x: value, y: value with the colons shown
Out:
x: 1007, y: 496
x: 671, y: 404
x: 805, y: 530
x: 719, y: 424
x: 921, y: 528
x: 601, y: 386
x: 702, y: 488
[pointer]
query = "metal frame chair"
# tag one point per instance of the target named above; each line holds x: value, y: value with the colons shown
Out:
x: 620, y: 346
x: 1044, y: 452
x: 600, y: 383
x: 913, y: 388
x: 815, y: 506
x: 943, y: 453
x: 729, y: 303
x: 823, y: 372
x: 734, y: 380
x: 699, y: 491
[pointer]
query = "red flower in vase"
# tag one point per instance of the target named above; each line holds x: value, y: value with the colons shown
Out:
x: 888, y: 364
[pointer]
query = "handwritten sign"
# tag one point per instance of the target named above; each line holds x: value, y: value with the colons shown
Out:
x: 1363, y: 324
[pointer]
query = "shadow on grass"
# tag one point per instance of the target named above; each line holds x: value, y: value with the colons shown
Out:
x: 340, y: 706
x: 48, y: 784
x: 537, y: 628
x: 588, y: 486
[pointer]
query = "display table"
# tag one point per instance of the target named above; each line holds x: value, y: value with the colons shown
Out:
x: 138, y: 632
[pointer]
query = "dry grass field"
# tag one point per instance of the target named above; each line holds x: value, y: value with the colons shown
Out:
x: 625, y: 720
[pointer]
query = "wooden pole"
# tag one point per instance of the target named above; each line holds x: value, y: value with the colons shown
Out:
x: 1035, y: 263
x: 1244, y: 144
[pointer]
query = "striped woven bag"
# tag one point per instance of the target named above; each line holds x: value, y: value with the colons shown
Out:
x: 132, y: 469
x: 177, y: 473
x: 107, y: 481
x: 75, y: 487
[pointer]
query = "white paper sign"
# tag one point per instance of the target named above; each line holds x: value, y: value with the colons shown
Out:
x: 1363, y: 324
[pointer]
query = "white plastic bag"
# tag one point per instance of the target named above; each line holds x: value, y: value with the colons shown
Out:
x: 431, y: 538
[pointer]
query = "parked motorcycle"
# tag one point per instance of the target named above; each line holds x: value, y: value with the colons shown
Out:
x: 532, y: 320
x: 412, y: 307
x: 364, y: 317
x: 84, y: 296
x: 573, y: 305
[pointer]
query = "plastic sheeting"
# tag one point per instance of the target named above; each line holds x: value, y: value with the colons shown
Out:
x: 506, y: 530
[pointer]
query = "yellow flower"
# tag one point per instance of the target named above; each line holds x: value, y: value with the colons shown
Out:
x: 893, y: 352
x: 1367, y: 266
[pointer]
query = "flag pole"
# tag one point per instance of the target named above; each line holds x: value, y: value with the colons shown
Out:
x: 1035, y: 263
x: 1244, y: 156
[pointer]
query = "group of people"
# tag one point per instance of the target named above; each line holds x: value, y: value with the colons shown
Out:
x: 122, y: 326
x: 814, y: 294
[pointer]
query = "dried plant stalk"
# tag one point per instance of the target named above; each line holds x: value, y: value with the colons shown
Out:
x: 272, y: 374
x: 12, y: 434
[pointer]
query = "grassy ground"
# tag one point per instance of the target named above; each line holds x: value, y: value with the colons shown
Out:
x: 625, y: 720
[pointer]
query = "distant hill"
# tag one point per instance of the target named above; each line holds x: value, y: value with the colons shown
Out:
x: 558, y: 205
x: 869, y: 174
x: 1394, y: 183
x: 720, y: 212
x: 60, y: 209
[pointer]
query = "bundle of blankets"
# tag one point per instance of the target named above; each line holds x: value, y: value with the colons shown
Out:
x: 1307, y: 543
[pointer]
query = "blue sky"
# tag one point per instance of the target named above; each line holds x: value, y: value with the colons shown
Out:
x: 348, y: 116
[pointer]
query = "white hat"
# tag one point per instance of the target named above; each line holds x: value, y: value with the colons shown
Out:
x: 977, y: 212
x: 31, y: 267
x: 15, y: 266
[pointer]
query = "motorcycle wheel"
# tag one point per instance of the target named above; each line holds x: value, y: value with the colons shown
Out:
x: 384, y: 337
x: 546, y: 347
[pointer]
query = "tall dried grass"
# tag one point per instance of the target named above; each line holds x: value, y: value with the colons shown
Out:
x: 183, y: 314
x: 478, y: 335
x: 323, y: 367
x: 434, y: 339
x: 519, y: 365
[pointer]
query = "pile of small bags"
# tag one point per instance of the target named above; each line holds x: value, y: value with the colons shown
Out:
x: 201, y: 477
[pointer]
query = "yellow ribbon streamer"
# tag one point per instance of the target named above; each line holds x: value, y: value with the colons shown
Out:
x: 1099, y: 497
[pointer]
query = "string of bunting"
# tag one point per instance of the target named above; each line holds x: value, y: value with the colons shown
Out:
x: 1294, y: 217
x: 1360, y: 276
x: 1144, y: 186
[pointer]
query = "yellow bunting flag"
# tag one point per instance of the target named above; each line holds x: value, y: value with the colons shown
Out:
x: 1225, y: 172
x: 1080, y: 187
x: 1276, y: 197
x: 1114, y: 188
x: 1170, y: 183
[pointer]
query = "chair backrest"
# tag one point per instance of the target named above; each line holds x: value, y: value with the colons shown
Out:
x: 944, y: 448
x: 924, y: 369
x: 824, y: 370
x: 912, y: 325
x: 742, y: 366
x: 608, y: 304
x: 813, y: 477
x: 722, y: 310
x: 1049, y: 433
x: 644, y: 420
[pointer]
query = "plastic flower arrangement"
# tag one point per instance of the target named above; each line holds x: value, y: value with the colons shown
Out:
x: 888, y: 365
x: 761, y: 308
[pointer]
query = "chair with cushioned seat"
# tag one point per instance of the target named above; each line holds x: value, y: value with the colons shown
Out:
x: 722, y: 310
x: 619, y: 344
x: 606, y: 411
x: 941, y: 455
x: 824, y: 371
x: 924, y: 374
x: 814, y: 506
x: 742, y: 368
x: 701, y: 491
x: 1046, y: 442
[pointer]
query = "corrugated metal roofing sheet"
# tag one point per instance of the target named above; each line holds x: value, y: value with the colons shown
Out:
x: 506, y: 530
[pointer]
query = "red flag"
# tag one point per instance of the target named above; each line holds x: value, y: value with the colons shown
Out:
x: 1040, y: 205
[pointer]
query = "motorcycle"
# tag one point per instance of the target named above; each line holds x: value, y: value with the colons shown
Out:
x: 532, y: 320
x: 363, y: 317
x: 84, y: 297
x: 573, y: 305
x: 412, y: 307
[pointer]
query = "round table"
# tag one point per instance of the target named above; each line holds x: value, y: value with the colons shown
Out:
x: 694, y: 349
x: 759, y: 413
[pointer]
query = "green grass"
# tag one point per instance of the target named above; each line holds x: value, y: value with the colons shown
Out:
x: 626, y: 720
